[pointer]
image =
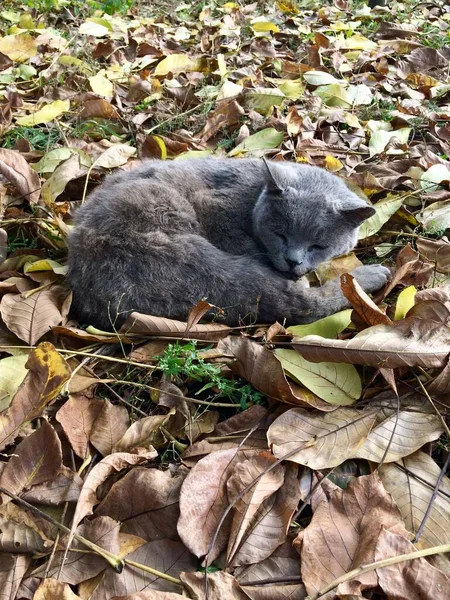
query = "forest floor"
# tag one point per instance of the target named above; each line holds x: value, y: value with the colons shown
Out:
x: 167, y: 459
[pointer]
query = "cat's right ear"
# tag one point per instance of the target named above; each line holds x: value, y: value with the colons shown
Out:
x: 272, y: 186
x: 358, y: 214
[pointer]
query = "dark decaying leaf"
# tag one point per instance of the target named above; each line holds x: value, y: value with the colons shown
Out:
x: 15, y: 168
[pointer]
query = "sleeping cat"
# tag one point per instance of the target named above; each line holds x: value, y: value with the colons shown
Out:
x: 238, y: 232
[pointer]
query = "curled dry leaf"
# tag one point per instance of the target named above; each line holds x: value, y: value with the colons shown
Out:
x: 437, y: 252
x: 343, y: 534
x: 411, y: 483
x: 203, y: 501
x: 422, y: 339
x: 257, y: 365
x: 400, y: 435
x: 48, y: 372
x: 15, y: 168
x: 149, y: 325
x: 52, y: 588
x: 323, y: 440
x: 361, y: 302
x: 268, y: 528
x: 165, y: 556
x: 31, y: 317
x: 12, y: 570
x: 112, y: 463
x: 409, y: 579
x: 141, y: 434
x: 220, y: 585
x: 410, y: 269
x: 145, y: 501
x: 37, y: 459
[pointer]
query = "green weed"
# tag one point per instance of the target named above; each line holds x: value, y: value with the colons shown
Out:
x: 39, y: 138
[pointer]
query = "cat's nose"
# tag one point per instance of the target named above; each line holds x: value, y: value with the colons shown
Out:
x: 293, y: 264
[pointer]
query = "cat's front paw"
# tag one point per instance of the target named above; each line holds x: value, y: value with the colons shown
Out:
x: 371, y: 277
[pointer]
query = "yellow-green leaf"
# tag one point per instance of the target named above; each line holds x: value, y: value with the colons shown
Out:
x: 264, y: 26
x: 101, y: 85
x: 321, y: 78
x: 385, y: 208
x: 334, y: 94
x: 95, y: 27
x: 292, y: 88
x: 264, y: 99
x: 380, y: 139
x: 262, y: 140
x: 162, y: 146
x: 12, y: 373
x: 47, y: 113
x: 405, y: 302
x: 336, y: 383
x: 51, y: 160
x: 329, y: 327
x: 45, y: 264
x: 18, y: 47
x: 176, y: 63
x: 357, y: 42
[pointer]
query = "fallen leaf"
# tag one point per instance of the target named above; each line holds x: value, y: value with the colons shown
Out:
x: 364, y: 306
x: 12, y: 373
x: 101, y: 85
x: 384, y: 209
x: 12, y: 570
x: 149, y: 325
x: 266, y: 139
x: 176, y: 63
x: 18, y: 48
x: 16, y: 169
x: 49, y: 112
x: 436, y: 251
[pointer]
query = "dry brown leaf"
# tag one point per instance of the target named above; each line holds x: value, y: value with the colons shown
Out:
x: 221, y: 585
x: 284, y: 566
x: 258, y: 366
x: 145, y: 501
x: 361, y: 302
x: 246, y: 510
x: 410, y: 270
x: 15, y: 169
x: 421, y: 339
x: 52, y: 589
x: 270, y: 524
x: 141, y: 434
x: 77, y: 417
x: 151, y: 595
x: 166, y: 556
x: 400, y: 434
x: 410, y: 579
x: 149, y: 325
x: 37, y: 459
x: 81, y: 564
x: 20, y: 531
x: 65, y: 487
x: 109, y: 426
x: 323, y: 440
x: 233, y: 433
x: 437, y: 252
x: 32, y: 317
x: 349, y: 524
x: 12, y: 571
x: 48, y: 372
x: 411, y: 482
x: 203, y: 500
x: 112, y: 463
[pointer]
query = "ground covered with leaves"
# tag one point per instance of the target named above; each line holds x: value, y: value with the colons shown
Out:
x: 172, y: 459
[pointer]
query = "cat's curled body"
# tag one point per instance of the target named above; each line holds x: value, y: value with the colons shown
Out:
x: 234, y: 231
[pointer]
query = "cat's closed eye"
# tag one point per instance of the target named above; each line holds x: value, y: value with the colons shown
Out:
x: 282, y: 237
x: 317, y: 247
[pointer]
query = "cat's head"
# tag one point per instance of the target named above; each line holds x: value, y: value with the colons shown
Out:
x: 306, y: 216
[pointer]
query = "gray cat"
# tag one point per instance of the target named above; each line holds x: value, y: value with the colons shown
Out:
x: 238, y: 232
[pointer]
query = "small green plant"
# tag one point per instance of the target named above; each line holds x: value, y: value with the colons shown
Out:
x: 39, y: 138
x: 184, y: 362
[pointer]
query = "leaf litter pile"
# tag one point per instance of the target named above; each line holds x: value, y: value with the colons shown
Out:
x: 171, y: 460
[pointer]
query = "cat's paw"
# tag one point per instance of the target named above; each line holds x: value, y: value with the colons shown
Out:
x: 371, y: 277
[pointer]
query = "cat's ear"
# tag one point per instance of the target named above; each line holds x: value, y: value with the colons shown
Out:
x: 272, y: 185
x: 356, y: 214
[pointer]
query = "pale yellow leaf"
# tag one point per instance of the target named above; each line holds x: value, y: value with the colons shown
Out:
x: 47, y: 113
x: 101, y: 85
x: 18, y: 48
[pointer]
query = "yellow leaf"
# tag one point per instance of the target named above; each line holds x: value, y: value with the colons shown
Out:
x: 358, y: 42
x: 352, y: 120
x: 26, y: 21
x: 176, y: 63
x: 47, y: 113
x: 96, y: 27
x: 292, y: 88
x: 45, y: 264
x: 162, y: 146
x: 101, y: 85
x: 18, y: 47
x: 405, y: 302
x: 265, y: 26
x: 287, y: 6
x: 332, y: 164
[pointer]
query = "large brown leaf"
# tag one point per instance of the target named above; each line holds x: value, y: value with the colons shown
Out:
x: 150, y: 325
x: 12, y: 570
x: 77, y: 417
x: 32, y: 317
x: 145, y: 501
x: 422, y: 339
x: 436, y: 251
x: 52, y: 588
x: 343, y: 534
x: 37, y: 459
x: 15, y: 168
x: 221, y: 585
x: 48, y: 372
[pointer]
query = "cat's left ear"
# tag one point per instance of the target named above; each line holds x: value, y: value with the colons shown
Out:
x: 357, y: 214
x: 272, y: 186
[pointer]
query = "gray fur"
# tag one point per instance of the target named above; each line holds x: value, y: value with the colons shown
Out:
x: 234, y: 231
